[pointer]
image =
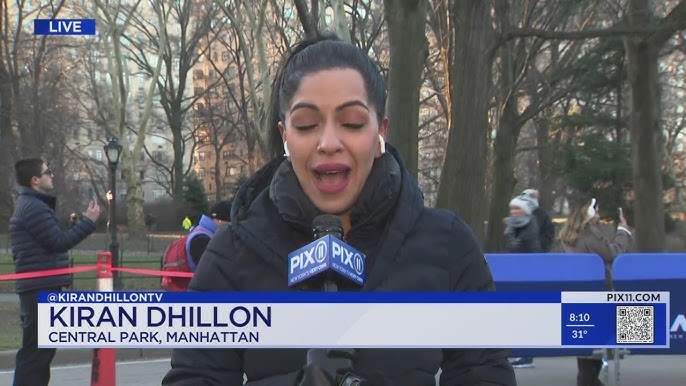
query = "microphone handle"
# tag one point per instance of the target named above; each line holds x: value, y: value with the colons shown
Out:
x: 330, y: 285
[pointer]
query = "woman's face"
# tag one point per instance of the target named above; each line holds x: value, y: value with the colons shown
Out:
x: 516, y: 211
x: 333, y: 137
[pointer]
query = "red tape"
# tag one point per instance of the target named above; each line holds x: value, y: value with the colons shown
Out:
x: 49, y: 272
x: 153, y: 272
x: 86, y: 268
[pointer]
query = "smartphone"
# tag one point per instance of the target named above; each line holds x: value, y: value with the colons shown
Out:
x: 619, y: 210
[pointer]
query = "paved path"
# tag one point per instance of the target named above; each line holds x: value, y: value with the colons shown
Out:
x: 6, y: 297
x: 636, y: 371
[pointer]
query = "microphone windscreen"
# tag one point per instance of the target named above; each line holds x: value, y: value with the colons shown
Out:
x: 327, y: 224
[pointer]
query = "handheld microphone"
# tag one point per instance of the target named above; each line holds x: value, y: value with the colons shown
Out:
x: 328, y: 258
x: 324, y: 225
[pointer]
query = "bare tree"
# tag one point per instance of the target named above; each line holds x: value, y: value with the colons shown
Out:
x: 463, y: 177
x: 367, y: 22
x: 340, y: 20
x: 6, y: 146
x: 526, y: 87
x: 674, y: 122
x: 642, y: 65
x: 408, y: 49
x: 34, y: 120
x: 257, y: 74
x: 114, y: 20
x: 309, y: 18
x: 7, y: 138
x: 644, y: 37
x: 190, y: 22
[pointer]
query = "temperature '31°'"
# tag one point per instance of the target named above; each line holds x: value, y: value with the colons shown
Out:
x: 579, y: 334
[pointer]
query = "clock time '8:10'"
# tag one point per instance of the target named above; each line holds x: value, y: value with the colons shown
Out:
x: 580, y: 317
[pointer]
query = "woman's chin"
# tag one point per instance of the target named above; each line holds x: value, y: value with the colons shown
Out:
x: 332, y: 206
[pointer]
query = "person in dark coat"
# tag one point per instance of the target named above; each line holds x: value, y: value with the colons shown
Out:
x: 39, y: 244
x: 546, y: 228
x: 522, y: 236
x: 521, y: 231
x: 328, y: 105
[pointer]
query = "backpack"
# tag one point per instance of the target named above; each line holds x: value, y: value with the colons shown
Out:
x: 175, y: 259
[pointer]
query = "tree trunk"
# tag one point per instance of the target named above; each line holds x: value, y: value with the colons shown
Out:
x: 308, y: 22
x: 6, y: 146
x: 251, y: 133
x: 135, y: 222
x: 646, y: 133
x: 461, y: 186
x: 217, y: 175
x: 503, y: 150
x: 406, y: 21
x: 546, y: 162
x: 257, y: 23
x: 129, y: 160
x: 176, y: 126
x: 257, y: 107
x: 341, y: 20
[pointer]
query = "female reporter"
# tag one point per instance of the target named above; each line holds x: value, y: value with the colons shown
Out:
x: 328, y: 122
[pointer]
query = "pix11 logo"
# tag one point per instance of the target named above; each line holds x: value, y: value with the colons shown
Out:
x: 64, y: 27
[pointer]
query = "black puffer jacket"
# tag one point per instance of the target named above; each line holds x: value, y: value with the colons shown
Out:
x: 546, y: 229
x: 523, y: 238
x: 38, y: 243
x: 409, y: 248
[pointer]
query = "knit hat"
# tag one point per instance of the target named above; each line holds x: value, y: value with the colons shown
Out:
x: 532, y: 194
x: 525, y: 203
x: 221, y: 211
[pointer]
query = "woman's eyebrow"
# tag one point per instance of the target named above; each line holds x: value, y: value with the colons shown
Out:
x: 352, y: 103
x: 304, y: 105
x: 310, y: 106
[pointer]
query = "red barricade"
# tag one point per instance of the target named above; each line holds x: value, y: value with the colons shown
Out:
x: 103, y: 366
x: 86, y: 268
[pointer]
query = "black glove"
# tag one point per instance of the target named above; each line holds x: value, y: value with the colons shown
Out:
x: 329, y: 368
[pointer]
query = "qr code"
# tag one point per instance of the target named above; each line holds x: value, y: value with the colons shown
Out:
x: 635, y: 324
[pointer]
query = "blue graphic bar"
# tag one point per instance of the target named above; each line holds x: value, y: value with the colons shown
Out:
x: 299, y: 297
x: 625, y: 325
x: 64, y: 27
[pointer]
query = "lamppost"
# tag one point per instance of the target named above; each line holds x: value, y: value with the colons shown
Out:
x: 112, y: 152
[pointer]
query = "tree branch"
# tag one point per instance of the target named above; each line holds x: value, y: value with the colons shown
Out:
x: 308, y: 23
x: 618, y: 30
x: 672, y: 23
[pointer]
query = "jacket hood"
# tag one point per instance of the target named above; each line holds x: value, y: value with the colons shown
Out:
x: 271, y: 213
x: 207, y: 223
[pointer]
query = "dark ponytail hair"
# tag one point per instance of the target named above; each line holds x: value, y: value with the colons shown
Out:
x: 322, y: 52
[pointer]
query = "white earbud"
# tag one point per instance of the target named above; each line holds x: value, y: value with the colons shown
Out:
x: 285, y: 149
x: 591, y: 209
x: 382, y: 144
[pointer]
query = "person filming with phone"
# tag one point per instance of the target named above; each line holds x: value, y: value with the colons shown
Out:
x: 39, y: 244
x: 582, y: 233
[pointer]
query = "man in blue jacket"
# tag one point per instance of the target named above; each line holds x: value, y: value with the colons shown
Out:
x: 39, y: 244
